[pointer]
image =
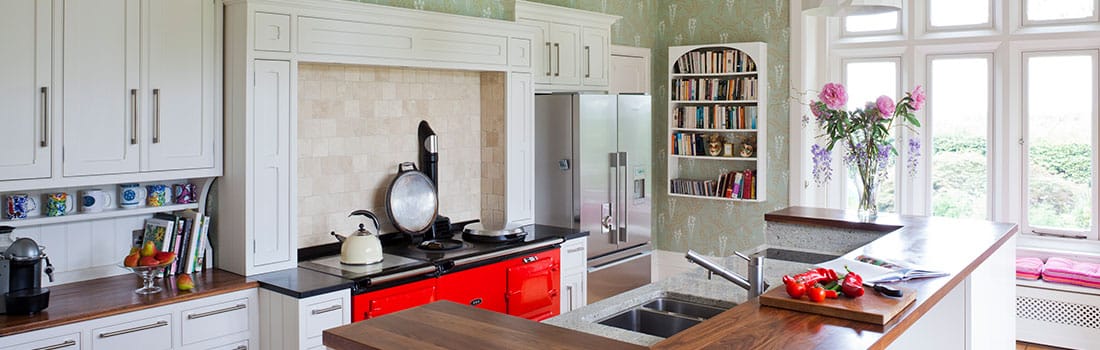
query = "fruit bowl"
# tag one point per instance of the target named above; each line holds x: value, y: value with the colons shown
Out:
x: 147, y: 274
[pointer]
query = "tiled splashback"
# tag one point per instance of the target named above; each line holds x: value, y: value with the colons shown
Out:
x: 357, y: 123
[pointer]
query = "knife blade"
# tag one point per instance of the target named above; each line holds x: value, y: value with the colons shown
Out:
x: 884, y: 290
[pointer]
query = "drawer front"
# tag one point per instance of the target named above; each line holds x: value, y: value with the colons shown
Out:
x: 240, y: 345
x: 325, y: 314
x: 63, y: 342
x: 146, y: 334
x: 271, y: 32
x: 213, y: 321
x: 574, y: 255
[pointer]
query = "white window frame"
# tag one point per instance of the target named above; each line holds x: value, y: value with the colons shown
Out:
x: 1025, y: 22
x: 1020, y: 53
x: 889, y: 34
x: 923, y: 11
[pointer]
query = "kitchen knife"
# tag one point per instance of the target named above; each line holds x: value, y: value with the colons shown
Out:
x: 884, y: 290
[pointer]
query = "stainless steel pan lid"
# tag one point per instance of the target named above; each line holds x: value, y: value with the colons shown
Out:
x: 411, y: 201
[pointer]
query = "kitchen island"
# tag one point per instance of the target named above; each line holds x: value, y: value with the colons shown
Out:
x: 968, y: 306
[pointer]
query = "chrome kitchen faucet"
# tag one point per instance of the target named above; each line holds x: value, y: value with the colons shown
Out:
x: 754, y: 284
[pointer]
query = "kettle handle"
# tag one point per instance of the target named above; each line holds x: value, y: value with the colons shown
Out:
x: 371, y: 216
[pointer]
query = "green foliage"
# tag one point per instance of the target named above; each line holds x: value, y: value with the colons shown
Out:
x: 1070, y: 161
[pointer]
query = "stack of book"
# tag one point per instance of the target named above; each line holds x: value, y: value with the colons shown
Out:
x: 717, y: 61
x: 185, y: 233
x: 714, y: 89
x: 735, y: 184
x: 715, y: 117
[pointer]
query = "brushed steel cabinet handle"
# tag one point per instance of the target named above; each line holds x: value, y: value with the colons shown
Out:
x: 133, y: 117
x: 135, y: 329
x: 215, y: 312
x: 570, y: 293
x: 327, y: 309
x: 575, y: 250
x: 156, y: 115
x: 588, y: 61
x: 62, y: 345
x: 241, y: 347
x: 558, y: 56
x: 45, y: 117
x: 548, y: 59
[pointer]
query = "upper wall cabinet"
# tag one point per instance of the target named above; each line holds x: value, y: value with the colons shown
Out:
x: 125, y: 91
x: 571, y: 48
x: 26, y: 89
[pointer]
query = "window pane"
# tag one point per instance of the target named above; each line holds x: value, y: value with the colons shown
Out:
x: 959, y: 95
x: 1045, y: 10
x: 1060, y: 97
x: 865, y: 82
x: 871, y: 23
x: 946, y: 13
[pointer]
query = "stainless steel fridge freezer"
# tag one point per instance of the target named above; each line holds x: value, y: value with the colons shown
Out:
x: 593, y: 171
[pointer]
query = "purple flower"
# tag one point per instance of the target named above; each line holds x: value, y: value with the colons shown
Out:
x: 885, y: 106
x: 914, y: 157
x: 823, y: 164
x: 817, y: 109
x: 833, y: 95
x: 918, y: 98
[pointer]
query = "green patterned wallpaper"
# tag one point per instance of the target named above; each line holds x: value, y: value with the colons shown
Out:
x: 712, y: 227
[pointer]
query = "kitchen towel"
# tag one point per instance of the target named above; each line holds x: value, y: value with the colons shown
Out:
x: 1062, y: 270
x: 1029, y: 268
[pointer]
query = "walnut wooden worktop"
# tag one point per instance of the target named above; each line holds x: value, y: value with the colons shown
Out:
x: 954, y: 246
x: 447, y: 325
x: 102, y: 297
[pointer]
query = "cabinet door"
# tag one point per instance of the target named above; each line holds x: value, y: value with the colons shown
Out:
x: 594, y: 56
x: 520, y: 150
x: 393, y: 299
x: 533, y: 287
x: 25, y: 89
x: 102, y: 104
x: 572, y: 292
x: 542, y: 51
x: 269, y: 195
x: 565, y: 41
x: 481, y: 287
x: 181, y: 85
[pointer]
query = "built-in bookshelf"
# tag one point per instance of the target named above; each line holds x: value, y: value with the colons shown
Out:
x: 717, y: 121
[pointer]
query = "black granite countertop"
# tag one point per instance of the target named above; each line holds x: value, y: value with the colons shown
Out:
x: 301, y: 283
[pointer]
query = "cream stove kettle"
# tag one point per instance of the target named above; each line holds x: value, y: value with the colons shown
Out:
x: 362, y: 247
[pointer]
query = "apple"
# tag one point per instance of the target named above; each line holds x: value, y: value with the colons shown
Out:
x: 131, y: 260
x: 148, y: 249
x: 164, y: 257
x: 184, y: 282
x: 148, y: 261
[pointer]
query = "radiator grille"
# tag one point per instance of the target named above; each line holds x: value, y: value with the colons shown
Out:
x: 1053, y: 311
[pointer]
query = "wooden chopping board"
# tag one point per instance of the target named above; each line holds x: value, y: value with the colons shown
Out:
x: 871, y: 307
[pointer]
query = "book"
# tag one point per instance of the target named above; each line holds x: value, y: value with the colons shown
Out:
x: 202, y: 244
x: 898, y: 272
x: 157, y: 231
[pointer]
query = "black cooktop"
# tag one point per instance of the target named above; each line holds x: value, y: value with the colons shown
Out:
x: 409, y: 248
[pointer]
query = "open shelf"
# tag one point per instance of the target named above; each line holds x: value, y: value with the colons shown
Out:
x: 713, y: 130
x: 714, y: 101
x: 714, y: 198
x: 753, y: 159
x: 105, y: 214
x: 733, y: 74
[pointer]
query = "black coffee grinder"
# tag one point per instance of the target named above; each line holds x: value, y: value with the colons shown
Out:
x: 21, y: 268
x: 429, y: 165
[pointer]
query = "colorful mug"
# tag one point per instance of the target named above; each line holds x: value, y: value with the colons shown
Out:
x: 130, y: 195
x: 95, y: 200
x: 59, y: 204
x: 183, y: 193
x: 157, y: 195
x: 19, y: 206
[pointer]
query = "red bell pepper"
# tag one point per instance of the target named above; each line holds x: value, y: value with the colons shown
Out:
x: 852, y: 285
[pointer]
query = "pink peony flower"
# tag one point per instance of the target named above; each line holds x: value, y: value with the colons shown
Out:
x: 833, y: 95
x: 885, y: 106
x: 918, y: 98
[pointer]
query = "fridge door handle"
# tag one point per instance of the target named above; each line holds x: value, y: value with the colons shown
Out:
x: 622, y: 192
x: 611, y: 220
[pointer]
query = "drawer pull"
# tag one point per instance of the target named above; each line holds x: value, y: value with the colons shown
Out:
x: 63, y: 345
x: 241, y: 347
x: 575, y: 250
x: 327, y: 309
x: 135, y: 329
x: 45, y: 117
x: 215, y: 312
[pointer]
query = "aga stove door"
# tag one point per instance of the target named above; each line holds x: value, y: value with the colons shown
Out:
x: 533, y: 289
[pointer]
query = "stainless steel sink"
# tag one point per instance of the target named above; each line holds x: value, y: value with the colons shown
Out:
x: 662, y: 317
x: 796, y: 256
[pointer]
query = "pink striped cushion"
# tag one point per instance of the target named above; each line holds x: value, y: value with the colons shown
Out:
x: 1029, y: 268
x: 1062, y: 270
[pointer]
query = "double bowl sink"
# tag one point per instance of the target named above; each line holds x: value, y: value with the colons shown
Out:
x: 663, y: 316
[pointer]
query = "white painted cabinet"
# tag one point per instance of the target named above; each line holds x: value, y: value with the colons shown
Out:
x: 574, y: 274
x: 629, y: 70
x: 26, y: 89
x: 594, y: 56
x: 225, y: 321
x: 182, y: 84
x: 520, y: 149
x: 291, y: 323
x: 571, y: 47
x: 102, y: 107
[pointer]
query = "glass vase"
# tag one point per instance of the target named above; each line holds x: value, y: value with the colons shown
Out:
x: 868, y: 186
